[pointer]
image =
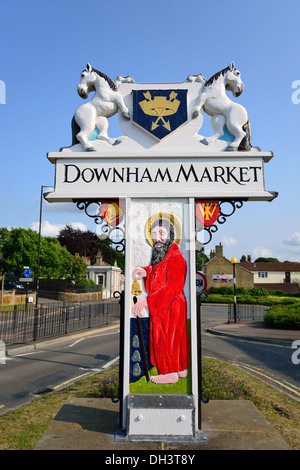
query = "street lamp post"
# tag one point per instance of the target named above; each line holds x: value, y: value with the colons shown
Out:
x: 233, y: 262
x: 39, y: 245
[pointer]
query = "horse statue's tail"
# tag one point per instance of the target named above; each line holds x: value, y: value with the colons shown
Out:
x: 75, y: 130
x: 246, y: 141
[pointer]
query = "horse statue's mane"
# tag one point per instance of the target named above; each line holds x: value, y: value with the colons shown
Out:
x: 211, y: 80
x: 109, y: 80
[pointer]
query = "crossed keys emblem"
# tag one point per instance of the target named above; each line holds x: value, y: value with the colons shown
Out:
x: 160, y: 107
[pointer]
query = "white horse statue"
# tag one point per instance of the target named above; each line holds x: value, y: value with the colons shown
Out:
x: 95, y: 113
x: 225, y: 112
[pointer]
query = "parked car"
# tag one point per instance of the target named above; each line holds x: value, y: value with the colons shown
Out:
x: 9, y: 285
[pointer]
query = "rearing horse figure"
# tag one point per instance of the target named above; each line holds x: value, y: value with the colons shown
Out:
x: 215, y: 102
x: 93, y: 114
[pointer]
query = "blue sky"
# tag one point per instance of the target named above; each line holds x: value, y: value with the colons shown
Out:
x: 45, y: 45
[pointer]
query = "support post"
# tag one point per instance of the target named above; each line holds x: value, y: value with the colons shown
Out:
x: 199, y: 359
x: 233, y: 261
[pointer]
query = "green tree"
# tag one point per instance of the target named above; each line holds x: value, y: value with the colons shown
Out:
x: 77, y: 268
x: 77, y: 241
x: 201, y: 259
x: 20, y: 248
x: 4, y: 234
x: 266, y: 260
x: 88, y: 244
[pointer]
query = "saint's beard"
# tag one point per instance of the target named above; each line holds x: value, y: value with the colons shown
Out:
x: 159, y: 252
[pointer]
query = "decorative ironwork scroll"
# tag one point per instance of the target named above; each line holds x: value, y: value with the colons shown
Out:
x: 107, y: 216
x: 224, y: 213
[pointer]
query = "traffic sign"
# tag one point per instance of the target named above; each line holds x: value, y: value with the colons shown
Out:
x: 26, y: 279
x: 27, y: 272
x: 201, y: 282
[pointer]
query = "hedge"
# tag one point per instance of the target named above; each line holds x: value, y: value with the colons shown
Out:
x: 284, y: 316
x: 254, y: 291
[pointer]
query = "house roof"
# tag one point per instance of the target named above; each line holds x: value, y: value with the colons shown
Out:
x: 216, y: 259
x: 278, y: 267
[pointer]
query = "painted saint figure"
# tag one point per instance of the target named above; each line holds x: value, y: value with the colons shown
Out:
x: 164, y: 281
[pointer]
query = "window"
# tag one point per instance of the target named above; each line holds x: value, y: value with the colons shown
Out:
x: 262, y: 274
x: 101, y: 280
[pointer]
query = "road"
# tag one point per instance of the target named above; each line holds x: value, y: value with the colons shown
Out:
x: 55, y: 366
x: 270, y: 363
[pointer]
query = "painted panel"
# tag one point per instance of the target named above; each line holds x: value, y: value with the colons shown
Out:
x: 160, y: 296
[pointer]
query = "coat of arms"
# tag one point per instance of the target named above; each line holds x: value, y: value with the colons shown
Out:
x: 159, y: 112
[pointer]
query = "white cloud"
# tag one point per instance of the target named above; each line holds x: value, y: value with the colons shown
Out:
x: 52, y: 230
x: 262, y: 252
x: 78, y: 225
x: 229, y: 241
x: 293, y: 240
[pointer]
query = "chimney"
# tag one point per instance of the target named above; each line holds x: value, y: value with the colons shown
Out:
x: 219, y: 251
x: 243, y: 259
x: 212, y: 254
x: 249, y: 259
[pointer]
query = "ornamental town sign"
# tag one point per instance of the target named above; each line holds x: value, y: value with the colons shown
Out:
x: 153, y: 190
x: 161, y: 149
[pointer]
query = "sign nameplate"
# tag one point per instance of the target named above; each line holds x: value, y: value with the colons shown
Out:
x: 167, y: 176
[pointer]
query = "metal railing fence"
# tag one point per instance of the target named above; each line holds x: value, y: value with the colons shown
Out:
x: 29, y: 324
x: 247, y: 312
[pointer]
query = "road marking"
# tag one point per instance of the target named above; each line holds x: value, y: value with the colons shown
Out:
x: 293, y: 390
x: 105, y: 334
x: 75, y: 342
x: 36, y: 351
x: 63, y: 384
x: 27, y: 354
x: 106, y: 366
x: 291, y: 385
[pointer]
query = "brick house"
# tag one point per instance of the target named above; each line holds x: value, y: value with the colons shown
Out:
x: 219, y: 271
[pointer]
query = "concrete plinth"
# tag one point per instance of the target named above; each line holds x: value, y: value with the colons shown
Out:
x: 92, y: 424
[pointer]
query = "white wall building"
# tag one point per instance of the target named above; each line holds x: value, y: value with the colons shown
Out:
x: 266, y: 274
x: 109, y: 278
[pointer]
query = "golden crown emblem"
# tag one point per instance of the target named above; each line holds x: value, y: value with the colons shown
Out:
x: 160, y: 106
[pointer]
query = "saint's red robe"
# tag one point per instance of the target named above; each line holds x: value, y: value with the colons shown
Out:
x: 168, y: 342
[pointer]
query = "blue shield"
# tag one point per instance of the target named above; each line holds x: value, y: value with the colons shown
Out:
x: 159, y: 112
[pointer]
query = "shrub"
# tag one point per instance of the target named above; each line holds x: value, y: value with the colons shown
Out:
x: 255, y: 291
x: 284, y: 316
x: 109, y: 386
x: 258, y: 291
x: 86, y: 282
